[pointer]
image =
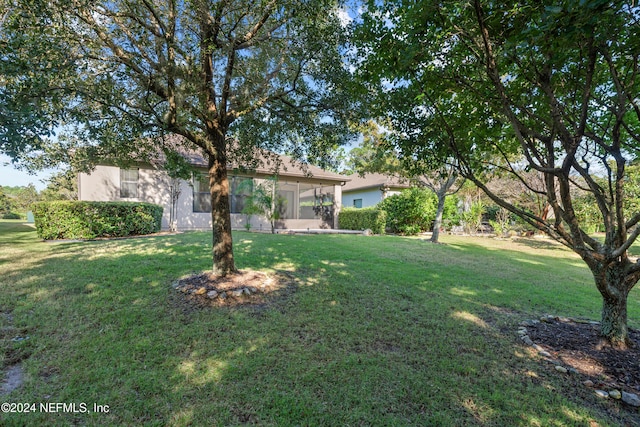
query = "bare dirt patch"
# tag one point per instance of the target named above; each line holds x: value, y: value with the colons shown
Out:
x: 247, y: 287
x: 13, y: 379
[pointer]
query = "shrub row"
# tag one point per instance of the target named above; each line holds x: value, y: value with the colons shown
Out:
x: 88, y: 220
x: 363, y: 219
x: 11, y: 215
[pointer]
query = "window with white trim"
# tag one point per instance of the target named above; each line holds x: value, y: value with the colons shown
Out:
x: 129, y: 183
x: 201, y: 194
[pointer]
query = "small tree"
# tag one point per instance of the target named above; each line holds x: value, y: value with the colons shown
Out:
x: 62, y: 186
x: 265, y: 200
x: 6, y: 204
x: 378, y: 153
x: 178, y: 169
x: 472, y: 217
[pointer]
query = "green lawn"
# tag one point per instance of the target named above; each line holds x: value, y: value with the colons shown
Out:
x: 380, y: 331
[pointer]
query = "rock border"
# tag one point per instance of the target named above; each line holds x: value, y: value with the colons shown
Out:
x: 630, y: 399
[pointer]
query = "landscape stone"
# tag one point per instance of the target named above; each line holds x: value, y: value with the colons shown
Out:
x: 602, y: 393
x: 588, y: 383
x: 615, y: 394
x: 236, y: 293
x: 527, y: 340
x: 630, y: 399
x: 212, y: 294
x: 561, y: 369
x: 201, y: 291
x: 246, y: 291
x: 529, y: 322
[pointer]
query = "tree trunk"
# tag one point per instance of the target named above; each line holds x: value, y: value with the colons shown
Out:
x: 438, y: 221
x: 614, y: 286
x: 223, y: 262
x: 614, y: 320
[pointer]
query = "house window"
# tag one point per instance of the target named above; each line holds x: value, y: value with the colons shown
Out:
x: 357, y: 203
x: 201, y: 195
x: 129, y: 183
x: 241, y: 189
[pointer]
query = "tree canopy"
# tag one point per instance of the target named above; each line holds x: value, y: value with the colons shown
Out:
x: 112, y: 76
x: 549, y: 87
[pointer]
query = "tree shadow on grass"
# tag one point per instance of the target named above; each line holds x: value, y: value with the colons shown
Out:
x: 537, y: 243
x: 346, y: 348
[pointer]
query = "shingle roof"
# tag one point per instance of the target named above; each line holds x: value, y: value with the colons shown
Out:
x: 264, y: 163
x: 375, y: 180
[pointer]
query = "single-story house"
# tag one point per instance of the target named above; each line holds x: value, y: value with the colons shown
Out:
x: 308, y: 197
x: 371, y: 189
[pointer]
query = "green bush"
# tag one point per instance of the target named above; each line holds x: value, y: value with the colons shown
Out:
x: 11, y: 215
x: 363, y: 219
x: 410, y: 212
x: 451, y: 214
x: 472, y: 218
x: 88, y: 220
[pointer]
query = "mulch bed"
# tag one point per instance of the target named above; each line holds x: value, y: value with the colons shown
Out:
x: 243, y: 288
x: 580, y: 346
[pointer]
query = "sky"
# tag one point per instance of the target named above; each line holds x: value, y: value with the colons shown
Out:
x: 12, y: 177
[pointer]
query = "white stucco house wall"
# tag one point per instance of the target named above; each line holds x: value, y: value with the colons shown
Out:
x: 370, y: 189
x: 310, y: 197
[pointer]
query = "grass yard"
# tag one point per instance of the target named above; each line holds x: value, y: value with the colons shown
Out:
x: 380, y: 331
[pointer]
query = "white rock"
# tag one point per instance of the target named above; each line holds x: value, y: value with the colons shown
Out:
x: 602, y: 393
x: 561, y: 369
x: 212, y: 294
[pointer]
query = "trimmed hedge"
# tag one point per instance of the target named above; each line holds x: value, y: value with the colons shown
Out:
x: 88, y: 220
x: 363, y: 219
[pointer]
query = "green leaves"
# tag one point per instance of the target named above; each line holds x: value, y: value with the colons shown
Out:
x: 410, y: 212
x: 87, y: 220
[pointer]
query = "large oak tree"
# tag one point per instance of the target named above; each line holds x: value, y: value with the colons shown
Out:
x: 112, y: 76
x: 547, y: 86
